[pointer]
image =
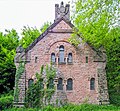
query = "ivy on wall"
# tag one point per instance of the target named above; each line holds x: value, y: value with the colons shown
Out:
x: 19, y: 72
x: 38, y: 94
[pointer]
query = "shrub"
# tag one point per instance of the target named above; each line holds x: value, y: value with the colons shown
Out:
x: 71, y: 107
x: 115, y: 98
x: 6, y: 101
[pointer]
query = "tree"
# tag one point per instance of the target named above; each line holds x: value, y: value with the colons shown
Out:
x: 30, y: 34
x: 8, y: 44
x: 97, y: 22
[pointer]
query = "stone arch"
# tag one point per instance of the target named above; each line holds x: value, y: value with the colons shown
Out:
x: 52, y: 43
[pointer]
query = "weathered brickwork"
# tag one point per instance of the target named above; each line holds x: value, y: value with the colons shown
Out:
x: 79, y: 71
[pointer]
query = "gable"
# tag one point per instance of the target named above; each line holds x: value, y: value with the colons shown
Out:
x: 62, y: 26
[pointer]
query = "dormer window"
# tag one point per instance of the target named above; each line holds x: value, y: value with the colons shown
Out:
x: 53, y: 60
x: 70, y: 58
x: 61, y: 54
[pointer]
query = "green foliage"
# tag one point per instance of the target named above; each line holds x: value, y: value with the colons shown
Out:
x: 18, y: 74
x: 30, y: 34
x: 37, y: 95
x: 97, y: 23
x: 6, y: 101
x: 94, y: 19
x: 8, y: 43
x: 71, y: 107
x: 50, y: 72
x: 75, y: 40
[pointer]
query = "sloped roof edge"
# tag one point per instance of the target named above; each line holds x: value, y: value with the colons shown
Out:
x: 46, y: 32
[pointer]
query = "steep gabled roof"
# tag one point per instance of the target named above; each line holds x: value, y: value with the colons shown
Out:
x: 48, y: 30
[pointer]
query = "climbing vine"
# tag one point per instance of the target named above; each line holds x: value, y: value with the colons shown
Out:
x: 18, y: 74
x: 40, y: 92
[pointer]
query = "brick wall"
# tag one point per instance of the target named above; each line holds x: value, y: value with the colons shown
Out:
x: 80, y: 71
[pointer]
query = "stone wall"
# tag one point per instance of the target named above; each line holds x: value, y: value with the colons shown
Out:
x: 80, y: 71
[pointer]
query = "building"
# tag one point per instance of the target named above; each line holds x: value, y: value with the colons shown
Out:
x: 81, y: 74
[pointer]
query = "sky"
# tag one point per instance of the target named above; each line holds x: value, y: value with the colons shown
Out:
x: 33, y: 13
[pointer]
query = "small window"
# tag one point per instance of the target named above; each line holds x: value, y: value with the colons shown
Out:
x: 50, y: 84
x: 70, y: 58
x: 92, y: 84
x: 61, y: 54
x: 86, y: 59
x: 53, y: 58
x: 60, y: 84
x: 36, y: 59
x: 30, y: 82
x: 69, y: 84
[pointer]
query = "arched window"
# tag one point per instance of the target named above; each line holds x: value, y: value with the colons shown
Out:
x: 60, y: 84
x: 92, y: 84
x: 69, y: 84
x: 50, y: 83
x: 30, y: 82
x: 53, y: 58
x: 61, y: 52
x: 69, y: 57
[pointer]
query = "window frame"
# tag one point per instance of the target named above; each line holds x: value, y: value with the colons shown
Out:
x: 30, y: 82
x: 36, y: 59
x: 50, y: 84
x: 92, y: 84
x: 86, y: 59
x: 69, y: 86
x: 70, y: 58
x: 60, y: 85
x: 61, y: 58
x: 53, y: 55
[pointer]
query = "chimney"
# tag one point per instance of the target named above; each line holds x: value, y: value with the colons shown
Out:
x: 62, y: 11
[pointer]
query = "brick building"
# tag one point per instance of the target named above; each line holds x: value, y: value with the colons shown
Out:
x: 80, y: 75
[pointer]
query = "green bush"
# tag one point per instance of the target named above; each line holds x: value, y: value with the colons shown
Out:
x: 6, y: 101
x: 71, y: 107
x: 114, y: 98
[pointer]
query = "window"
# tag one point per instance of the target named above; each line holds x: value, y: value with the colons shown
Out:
x: 92, y: 84
x: 50, y: 83
x: 86, y: 59
x: 36, y: 59
x: 69, y: 84
x: 60, y: 84
x: 41, y: 84
x: 70, y: 58
x: 30, y: 82
x: 61, y: 54
x: 53, y: 58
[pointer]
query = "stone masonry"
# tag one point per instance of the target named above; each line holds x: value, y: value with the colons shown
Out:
x: 79, y: 70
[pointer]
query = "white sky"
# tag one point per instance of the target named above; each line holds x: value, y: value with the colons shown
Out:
x: 34, y: 13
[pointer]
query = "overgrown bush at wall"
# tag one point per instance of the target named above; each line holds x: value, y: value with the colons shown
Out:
x: 71, y: 107
x: 6, y: 101
x: 18, y: 74
x: 37, y: 95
